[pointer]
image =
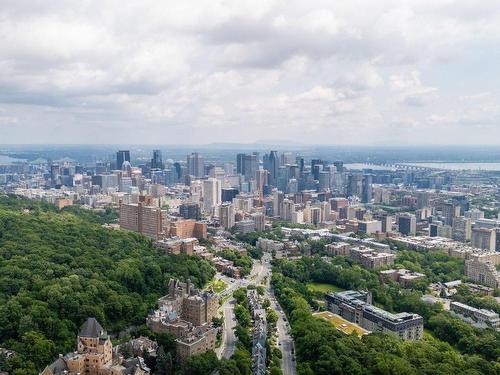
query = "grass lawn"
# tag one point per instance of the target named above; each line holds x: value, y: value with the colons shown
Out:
x: 217, y: 285
x: 323, y: 288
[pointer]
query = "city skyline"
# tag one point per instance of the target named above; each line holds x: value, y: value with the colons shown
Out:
x: 311, y: 73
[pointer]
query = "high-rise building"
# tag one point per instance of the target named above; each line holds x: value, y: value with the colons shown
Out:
x: 157, y: 160
x: 407, y: 224
x: 247, y: 165
x: 122, y: 156
x: 195, y: 165
x: 278, y: 197
x: 354, y: 185
x: 367, y: 193
x: 287, y: 208
x: 324, y: 180
x: 450, y: 211
x: 274, y: 164
x: 226, y: 215
x: 228, y: 194
x: 259, y: 220
x: 462, y: 229
x: 144, y: 219
x: 190, y: 211
x: 105, y: 181
x: 339, y: 165
x: 423, y: 199
x: 484, y: 238
x: 474, y: 214
x: 211, y: 194
x: 484, y: 273
x: 239, y: 163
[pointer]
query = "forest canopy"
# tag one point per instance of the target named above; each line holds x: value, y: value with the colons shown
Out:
x: 57, y: 268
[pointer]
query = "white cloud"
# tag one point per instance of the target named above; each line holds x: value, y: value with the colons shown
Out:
x: 318, y: 71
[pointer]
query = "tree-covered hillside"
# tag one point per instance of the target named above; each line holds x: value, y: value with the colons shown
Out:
x: 57, y: 268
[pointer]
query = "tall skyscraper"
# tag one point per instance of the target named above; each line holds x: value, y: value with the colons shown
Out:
x: 247, y: 165
x: 157, y: 161
x: 274, y: 165
x: 195, y: 165
x: 354, y: 182
x: 122, y: 156
x: 339, y: 165
x: 239, y: 163
x: 367, y: 193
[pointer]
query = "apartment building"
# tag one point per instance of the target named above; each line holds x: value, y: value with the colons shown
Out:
x: 484, y: 273
x: 188, y: 229
x: 148, y: 220
x: 371, y: 259
x: 480, y: 318
x: 356, y: 307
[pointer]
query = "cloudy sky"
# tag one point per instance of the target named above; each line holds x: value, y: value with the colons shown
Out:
x: 319, y: 72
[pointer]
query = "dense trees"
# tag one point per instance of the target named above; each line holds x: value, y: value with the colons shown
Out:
x: 239, y: 260
x: 345, y: 274
x: 57, y: 268
x: 321, y: 349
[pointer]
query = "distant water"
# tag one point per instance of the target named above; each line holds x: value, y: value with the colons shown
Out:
x: 460, y: 166
x: 7, y: 160
x: 359, y: 166
x: 494, y: 166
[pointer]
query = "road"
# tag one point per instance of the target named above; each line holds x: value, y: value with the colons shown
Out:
x: 260, y: 270
x: 228, y: 345
x: 285, y: 340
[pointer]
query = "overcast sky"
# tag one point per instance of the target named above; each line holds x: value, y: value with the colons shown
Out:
x: 320, y: 72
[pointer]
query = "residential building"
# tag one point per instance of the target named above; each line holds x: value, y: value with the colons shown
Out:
x: 244, y: 226
x: 480, y: 318
x: 259, y: 221
x: 356, y: 307
x: 198, y: 341
x: 188, y: 229
x: 404, y: 277
x: 338, y: 248
x: 371, y: 259
x: 484, y: 273
x: 483, y: 238
x: 148, y: 220
x: 226, y: 215
x: 462, y: 229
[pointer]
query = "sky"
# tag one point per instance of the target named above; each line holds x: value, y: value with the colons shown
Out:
x: 195, y: 72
